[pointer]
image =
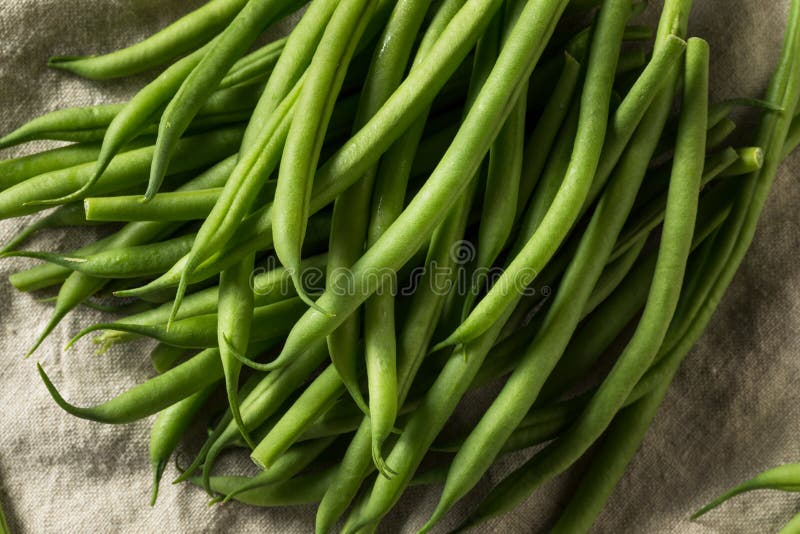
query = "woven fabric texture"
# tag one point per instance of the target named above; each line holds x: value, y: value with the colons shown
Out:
x: 733, y: 410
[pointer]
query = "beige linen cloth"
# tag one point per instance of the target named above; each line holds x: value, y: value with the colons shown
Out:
x: 733, y: 410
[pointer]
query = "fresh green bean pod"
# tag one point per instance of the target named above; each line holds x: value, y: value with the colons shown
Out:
x: 127, y: 170
x: 204, y: 79
x: 541, y: 140
x: 254, y: 66
x: 303, y: 489
x: 172, y: 206
x: 662, y: 299
x: 350, y: 229
x: 719, y: 133
x: 184, y: 35
x: 67, y: 215
x: 235, y: 316
x: 16, y: 170
x: 200, y: 331
x: 288, y: 464
x: 152, y: 396
x: 580, y: 179
x: 312, y: 403
x: 169, y: 427
x: 123, y: 262
x: 323, y: 83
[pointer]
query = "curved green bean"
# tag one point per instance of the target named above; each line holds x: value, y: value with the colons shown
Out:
x: 181, y: 36
x: 563, y: 211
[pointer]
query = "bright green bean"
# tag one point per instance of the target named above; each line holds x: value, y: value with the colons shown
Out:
x: 16, y: 170
x: 324, y: 80
x: 122, y: 262
x: 235, y: 315
x: 430, y: 205
x: 172, y: 206
x: 783, y: 478
x: 541, y: 140
x: 312, y: 403
x: 167, y: 431
x: 126, y: 171
x: 661, y: 303
x: 580, y: 179
x: 151, y: 396
x: 205, y: 77
x: 182, y: 36
x: 200, y: 331
x: 350, y: 229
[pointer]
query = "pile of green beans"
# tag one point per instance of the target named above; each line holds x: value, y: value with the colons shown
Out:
x: 336, y: 236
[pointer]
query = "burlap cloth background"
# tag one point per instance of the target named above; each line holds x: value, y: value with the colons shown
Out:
x: 733, y: 410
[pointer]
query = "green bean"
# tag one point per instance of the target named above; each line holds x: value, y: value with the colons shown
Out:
x: 303, y: 489
x: 123, y: 262
x: 413, y: 338
x: 719, y: 133
x: 67, y: 215
x: 269, y: 323
x: 254, y: 65
x: 126, y: 171
x: 525, y: 383
x: 180, y: 37
x: 47, y: 275
x: 299, y: 161
x: 750, y: 159
x: 538, y: 146
x: 502, y: 187
x: 16, y: 170
x: 352, y: 227
x: 661, y: 303
x: 417, y: 222
x: 204, y: 80
x: 172, y: 206
x: 285, y: 467
x: 425, y: 424
x: 651, y: 214
x: 580, y: 178
x: 168, y: 428
x: 312, y: 403
x: 738, y: 232
x: 548, y: 186
x: 783, y: 478
x: 297, y: 52
x: 151, y: 396
x: 792, y: 526
x: 64, y: 120
x: 263, y: 401
x: 235, y: 315
x: 164, y: 357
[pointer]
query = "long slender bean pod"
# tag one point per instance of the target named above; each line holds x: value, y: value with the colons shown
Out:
x: 204, y: 80
x: 580, y: 177
x: 181, y: 36
x: 662, y: 299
